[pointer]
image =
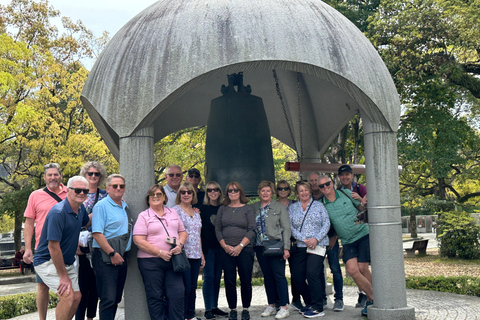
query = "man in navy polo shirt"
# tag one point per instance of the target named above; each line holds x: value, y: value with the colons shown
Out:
x: 55, y: 254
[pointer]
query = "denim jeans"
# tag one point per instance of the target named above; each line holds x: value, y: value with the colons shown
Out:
x: 212, y: 274
x: 110, y: 283
x: 190, y: 279
x: 336, y: 271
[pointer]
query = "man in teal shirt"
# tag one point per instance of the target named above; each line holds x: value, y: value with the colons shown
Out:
x: 342, y: 210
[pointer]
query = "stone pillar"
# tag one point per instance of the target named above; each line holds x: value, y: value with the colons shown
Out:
x: 136, y: 165
x: 388, y: 272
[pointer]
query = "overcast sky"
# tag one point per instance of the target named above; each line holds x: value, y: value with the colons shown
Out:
x: 99, y: 15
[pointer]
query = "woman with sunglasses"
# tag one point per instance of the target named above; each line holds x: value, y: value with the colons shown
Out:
x: 186, y: 197
x: 150, y: 234
x: 235, y: 230
x: 283, y: 192
x: 310, y: 224
x: 212, y: 272
x: 95, y: 173
x: 272, y: 224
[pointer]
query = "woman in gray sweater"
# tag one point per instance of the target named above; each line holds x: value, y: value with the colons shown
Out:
x: 235, y: 230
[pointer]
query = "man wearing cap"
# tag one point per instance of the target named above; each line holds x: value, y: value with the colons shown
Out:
x: 193, y: 176
x: 39, y: 204
x: 359, y: 191
x: 342, y: 211
x: 174, y: 177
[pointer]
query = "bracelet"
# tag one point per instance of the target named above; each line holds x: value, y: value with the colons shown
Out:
x: 241, y: 244
x: 160, y: 252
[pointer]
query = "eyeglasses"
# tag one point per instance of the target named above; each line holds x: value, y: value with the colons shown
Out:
x: 283, y: 189
x: 79, y: 190
x: 323, y: 185
x: 191, y: 176
x: 115, y: 186
x: 213, y: 190
x: 233, y: 191
x: 184, y: 192
x: 156, y: 195
x: 176, y: 175
x: 96, y: 174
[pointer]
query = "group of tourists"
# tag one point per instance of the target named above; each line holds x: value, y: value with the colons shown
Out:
x: 185, y: 229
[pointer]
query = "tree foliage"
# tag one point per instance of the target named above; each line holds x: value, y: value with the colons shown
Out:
x: 42, y: 119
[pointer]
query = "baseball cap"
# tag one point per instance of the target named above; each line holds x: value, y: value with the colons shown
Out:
x: 193, y: 171
x: 345, y: 168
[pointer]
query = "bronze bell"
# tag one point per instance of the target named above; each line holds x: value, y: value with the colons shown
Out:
x: 238, y: 145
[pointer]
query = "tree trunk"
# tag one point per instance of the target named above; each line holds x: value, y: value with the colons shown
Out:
x: 17, y: 231
x: 413, y: 224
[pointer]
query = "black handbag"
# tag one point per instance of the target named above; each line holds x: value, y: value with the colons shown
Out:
x: 179, y: 261
x: 273, y: 248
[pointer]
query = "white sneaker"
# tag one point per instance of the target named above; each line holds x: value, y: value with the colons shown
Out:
x: 269, y: 311
x: 282, y: 313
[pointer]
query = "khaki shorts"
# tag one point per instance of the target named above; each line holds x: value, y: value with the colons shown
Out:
x: 49, y: 275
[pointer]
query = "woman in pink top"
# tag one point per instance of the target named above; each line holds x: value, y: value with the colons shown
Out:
x: 150, y: 234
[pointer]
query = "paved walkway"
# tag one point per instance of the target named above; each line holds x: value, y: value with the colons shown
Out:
x: 427, y: 304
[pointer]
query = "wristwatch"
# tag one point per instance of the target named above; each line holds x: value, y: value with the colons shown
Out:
x: 241, y: 244
x: 111, y: 254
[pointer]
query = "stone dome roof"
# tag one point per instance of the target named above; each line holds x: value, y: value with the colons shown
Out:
x: 165, y: 65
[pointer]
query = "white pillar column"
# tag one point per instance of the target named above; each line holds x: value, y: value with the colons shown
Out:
x: 136, y: 165
x: 386, y: 249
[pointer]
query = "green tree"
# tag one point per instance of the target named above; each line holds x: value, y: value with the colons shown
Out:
x: 41, y: 117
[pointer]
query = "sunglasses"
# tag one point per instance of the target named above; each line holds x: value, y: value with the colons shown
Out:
x: 115, y: 186
x: 156, y: 195
x: 233, y: 191
x: 176, y: 175
x: 213, y: 190
x: 79, y: 190
x: 284, y: 189
x: 191, y: 176
x: 323, y: 185
x: 184, y: 192
x: 96, y: 174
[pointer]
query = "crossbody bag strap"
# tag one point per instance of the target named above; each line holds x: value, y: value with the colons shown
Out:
x: 301, y: 227
x: 53, y: 195
x: 96, y: 197
x: 348, y: 197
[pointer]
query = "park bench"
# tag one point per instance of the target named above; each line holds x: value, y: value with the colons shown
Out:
x: 418, y: 245
x: 8, y: 264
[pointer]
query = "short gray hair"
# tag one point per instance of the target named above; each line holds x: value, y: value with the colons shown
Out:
x: 173, y: 166
x: 314, y: 173
x: 323, y: 176
x: 115, y: 175
x: 52, y: 165
x: 75, y: 179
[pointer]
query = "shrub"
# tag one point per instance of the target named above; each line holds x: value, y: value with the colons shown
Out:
x: 458, y: 233
x: 459, y: 285
x: 19, y: 304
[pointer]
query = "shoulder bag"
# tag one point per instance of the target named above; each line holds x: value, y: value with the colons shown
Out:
x: 179, y: 261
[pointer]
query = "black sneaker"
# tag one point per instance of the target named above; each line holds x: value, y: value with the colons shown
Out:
x: 245, y: 315
x: 365, y: 310
x: 362, y: 299
x: 209, y: 315
x: 219, y: 312
x: 232, y: 315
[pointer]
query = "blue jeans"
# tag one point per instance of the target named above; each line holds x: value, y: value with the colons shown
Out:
x: 212, y: 274
x: 336, y: 271
x: 110, y: 283
x: 190, y: 279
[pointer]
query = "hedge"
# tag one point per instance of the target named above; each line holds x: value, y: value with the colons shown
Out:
x: 22, y: 303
